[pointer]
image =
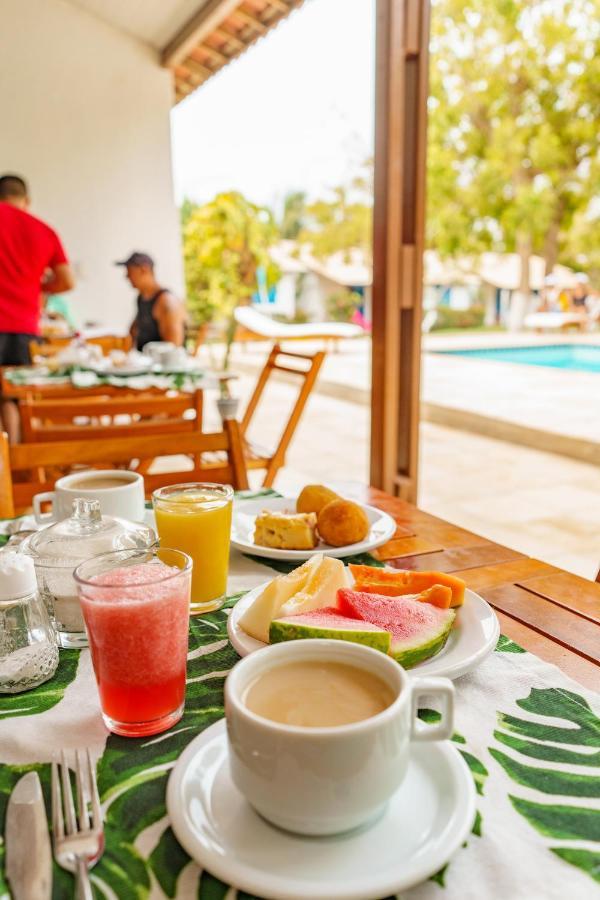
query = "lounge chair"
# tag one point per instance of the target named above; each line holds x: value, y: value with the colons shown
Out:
x: 555, y: 321
x: 254, y: 326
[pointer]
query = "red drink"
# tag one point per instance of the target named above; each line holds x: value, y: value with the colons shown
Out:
x: 137, y: 622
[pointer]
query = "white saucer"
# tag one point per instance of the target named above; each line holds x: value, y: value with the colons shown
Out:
x: 474, y: 635
x: 426, y: 821
x: 245, y: 512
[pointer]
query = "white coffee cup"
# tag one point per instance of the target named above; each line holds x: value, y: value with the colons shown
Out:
x: 156, y: 349
x: 319, y: 781
x: 174, y: 357
x: 127, y: 500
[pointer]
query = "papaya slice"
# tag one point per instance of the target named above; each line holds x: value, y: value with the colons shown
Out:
x: 404, y: 581
x: 438, y: 594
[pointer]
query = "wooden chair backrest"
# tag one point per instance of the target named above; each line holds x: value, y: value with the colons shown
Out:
x: 145, y: 414
x: 304, y: 366
x: 51, y: 346
x: 229, y: 468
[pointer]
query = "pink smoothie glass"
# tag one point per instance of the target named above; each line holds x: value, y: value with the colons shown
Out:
x: 136, y: 610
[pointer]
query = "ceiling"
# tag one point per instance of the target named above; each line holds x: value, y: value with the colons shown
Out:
x: 154, y: 22
x: 195, y: 38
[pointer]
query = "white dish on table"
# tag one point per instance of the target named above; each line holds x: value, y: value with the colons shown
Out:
x: 473, y: 637
x: 382, y: 529
x: 124, y: 371
x: 426, y: 821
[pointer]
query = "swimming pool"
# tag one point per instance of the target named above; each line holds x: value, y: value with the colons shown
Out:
x: 577, y: 357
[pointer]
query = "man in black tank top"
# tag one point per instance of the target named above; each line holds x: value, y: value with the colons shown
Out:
x: 160, y: 315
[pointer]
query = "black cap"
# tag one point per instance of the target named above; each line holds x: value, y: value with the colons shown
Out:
x: 136, y: 259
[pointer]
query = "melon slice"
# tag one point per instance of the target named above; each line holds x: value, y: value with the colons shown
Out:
x: 404, y: 581
x: 256, y: 619
x: 328, y: 623
x: 419, y: 630
x: 320, y: 588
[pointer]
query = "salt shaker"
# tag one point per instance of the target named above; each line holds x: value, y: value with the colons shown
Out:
x: 28, y: 646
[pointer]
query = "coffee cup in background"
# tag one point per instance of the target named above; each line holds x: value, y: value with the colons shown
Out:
x: 174, y: 357
x: 327, y: 780
x: 120, y: 493
x: 156, y: 349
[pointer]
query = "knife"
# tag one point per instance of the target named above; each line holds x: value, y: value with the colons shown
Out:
x: 28, y: 853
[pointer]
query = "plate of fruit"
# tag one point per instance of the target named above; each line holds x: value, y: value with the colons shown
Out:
x: 430, y: 622
x: 317, y: 521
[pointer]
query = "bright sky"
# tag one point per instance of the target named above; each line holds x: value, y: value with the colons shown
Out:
x: 294, y: 113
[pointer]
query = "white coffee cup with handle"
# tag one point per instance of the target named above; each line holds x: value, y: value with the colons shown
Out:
x: 121, y: 494
x: 327, y: 780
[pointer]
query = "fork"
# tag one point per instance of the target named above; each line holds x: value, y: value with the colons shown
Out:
x: 83, y: 844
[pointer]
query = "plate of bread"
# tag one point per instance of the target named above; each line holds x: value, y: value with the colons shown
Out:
x: 317, y: 521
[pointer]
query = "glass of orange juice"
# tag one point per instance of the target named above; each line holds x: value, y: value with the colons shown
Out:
x: 196, y: 519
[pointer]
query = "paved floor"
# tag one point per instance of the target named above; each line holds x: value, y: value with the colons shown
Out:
x: 556, y: 401
x: 539, y: 503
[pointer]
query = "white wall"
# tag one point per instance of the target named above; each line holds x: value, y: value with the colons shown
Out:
x: 84, y: 117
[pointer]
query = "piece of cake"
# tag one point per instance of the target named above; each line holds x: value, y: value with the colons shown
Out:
x: 286, y: 531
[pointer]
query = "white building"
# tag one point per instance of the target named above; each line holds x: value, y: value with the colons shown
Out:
x: 307, y: 282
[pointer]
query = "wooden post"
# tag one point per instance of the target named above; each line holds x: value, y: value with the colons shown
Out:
x: 398, y: 241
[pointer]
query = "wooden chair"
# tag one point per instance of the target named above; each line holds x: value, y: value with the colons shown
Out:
x: 89, y: 418
x: 48, y: 347
x: 15, y: 459
x: 303, y: 366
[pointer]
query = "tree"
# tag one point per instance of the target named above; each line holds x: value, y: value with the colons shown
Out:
x: 344, y: 220
x: 294, y: 210
x: 225, y: 242
x: 514, y: 137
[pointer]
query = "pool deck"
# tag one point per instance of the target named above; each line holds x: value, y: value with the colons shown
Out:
x: 549, y: 409
x: 538, y: 503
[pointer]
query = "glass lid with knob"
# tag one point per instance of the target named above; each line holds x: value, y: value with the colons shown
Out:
x: 86, y: 533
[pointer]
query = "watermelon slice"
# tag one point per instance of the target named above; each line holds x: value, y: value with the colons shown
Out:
x: 419, y: 630
x: 328, y: 623
x: 438, y: 595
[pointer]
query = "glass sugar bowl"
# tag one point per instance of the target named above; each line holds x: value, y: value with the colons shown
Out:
x: 28, y: 649
x: 57, y: 551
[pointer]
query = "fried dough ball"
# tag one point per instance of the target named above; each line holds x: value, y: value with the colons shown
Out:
x: 342, y: 522
x: 314, y: 497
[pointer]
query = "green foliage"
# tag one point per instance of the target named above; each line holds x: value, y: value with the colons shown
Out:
x: 513, y: 132
x: 538, y: 740
x: 224, y: 243
x: 458, y: 318
x: 344, y: 221
x: 342, y: 304
x: 294, y: 212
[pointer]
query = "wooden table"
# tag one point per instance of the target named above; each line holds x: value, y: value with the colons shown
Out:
x: 550, y: 612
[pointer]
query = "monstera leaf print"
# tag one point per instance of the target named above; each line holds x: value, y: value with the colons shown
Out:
x: 505, y: 645
x: 478, y: 772
x: 562, y: 729
x: 46, y: 695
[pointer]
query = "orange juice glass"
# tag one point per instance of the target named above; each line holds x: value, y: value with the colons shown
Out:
x: 196, y: 519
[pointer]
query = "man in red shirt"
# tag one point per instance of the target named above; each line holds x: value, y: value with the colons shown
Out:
x: 32, y: 262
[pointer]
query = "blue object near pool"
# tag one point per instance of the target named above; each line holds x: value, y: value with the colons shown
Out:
x: 577, y: 357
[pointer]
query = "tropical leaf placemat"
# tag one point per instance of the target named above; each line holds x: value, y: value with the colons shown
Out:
x: 530, y: 736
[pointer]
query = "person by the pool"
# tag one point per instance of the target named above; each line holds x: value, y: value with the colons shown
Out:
x: 160, y: 314
x: 580, y: 292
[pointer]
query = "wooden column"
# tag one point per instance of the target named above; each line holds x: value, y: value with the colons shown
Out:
x: 398, y: 241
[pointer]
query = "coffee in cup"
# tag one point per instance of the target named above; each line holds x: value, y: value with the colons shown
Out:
x: 120, y: 493
x: 329, y: 769
x: 316, y: 694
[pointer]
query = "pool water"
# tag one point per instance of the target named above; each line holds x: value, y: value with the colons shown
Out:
x: 577, y: 357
